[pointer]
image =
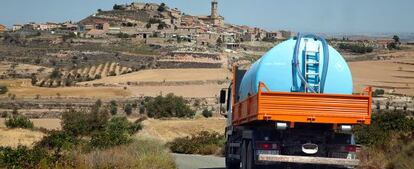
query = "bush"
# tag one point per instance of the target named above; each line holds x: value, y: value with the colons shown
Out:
x: 168, y: 106
x: 22, y: 157
x: 201, y: 143
x: 385, y: 124
x: 207, y: 113
x: 116, y: 133
x: 3, y: 89
x: 378, y: 92
x: 81, y: 123
x: 356, y: 48
x: 19, y: 121
x: 57, y: 140
x: 128, y: 109
x: 113, y: 107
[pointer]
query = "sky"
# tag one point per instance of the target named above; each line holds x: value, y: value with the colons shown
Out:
x: 321, y: 16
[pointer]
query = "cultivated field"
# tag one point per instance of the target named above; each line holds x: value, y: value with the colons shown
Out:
x: 396, y: 74
x: 15, y: 137
x: 167, y: 75
x: 22, y: 88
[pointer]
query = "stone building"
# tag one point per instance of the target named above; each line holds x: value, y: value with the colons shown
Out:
x: 17, y: 27
x: 2, y: 28
x: 214, y: 18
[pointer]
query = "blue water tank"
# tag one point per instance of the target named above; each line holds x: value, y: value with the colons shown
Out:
x: 274, y: 69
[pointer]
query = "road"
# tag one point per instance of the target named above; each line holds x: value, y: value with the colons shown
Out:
x: 185, y: 161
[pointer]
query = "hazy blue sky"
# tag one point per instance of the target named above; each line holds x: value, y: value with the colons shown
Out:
x: 330, y: 16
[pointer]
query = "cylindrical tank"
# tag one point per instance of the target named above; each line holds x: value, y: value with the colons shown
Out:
x: 274, y: 69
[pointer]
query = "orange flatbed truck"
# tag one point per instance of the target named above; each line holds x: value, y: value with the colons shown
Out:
x: 288, y: 129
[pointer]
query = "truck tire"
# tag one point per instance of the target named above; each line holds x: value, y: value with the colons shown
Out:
x: 232, y: 164
x: 243, y: 155
x: 247, y: 156
x: 250, y: 157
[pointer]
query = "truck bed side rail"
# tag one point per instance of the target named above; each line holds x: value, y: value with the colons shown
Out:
x: 304, y: 108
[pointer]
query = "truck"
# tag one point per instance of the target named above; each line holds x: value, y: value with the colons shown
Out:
x: 294, y: 108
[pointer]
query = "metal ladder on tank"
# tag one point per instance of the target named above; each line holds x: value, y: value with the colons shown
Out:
x: 311, y: 69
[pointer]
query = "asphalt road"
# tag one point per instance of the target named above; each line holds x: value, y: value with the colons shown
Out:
x: 185, y: 161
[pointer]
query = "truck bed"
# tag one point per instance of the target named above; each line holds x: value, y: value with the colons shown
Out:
x: 303, y: 108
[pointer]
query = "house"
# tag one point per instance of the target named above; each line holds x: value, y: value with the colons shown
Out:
x: 2, y: 28
x: 93, y: 23
x: 69, y: 26
x: 17, y: 27
x: 274, y: 35
x: 95, y: 33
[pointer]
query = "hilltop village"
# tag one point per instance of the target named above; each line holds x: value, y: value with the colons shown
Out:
x: 158, y: 24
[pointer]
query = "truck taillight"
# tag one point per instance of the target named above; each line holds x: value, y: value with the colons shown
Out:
x: 266, y: 146
x: 352, y: 148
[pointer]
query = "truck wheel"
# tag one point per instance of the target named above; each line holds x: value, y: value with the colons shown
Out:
x: 247, y: 156
x: 250, y: 157
x: 232, y: 164
x: 243, y: 155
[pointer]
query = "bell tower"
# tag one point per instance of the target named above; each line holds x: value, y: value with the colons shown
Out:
x: 214, y: 13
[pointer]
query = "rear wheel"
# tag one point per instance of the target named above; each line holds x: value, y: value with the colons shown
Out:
x: 232, y: 164
x: 247, y: 156
x: 243, y: 155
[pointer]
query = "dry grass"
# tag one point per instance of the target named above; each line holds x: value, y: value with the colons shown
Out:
x: 196, y: 91
x: 389, y: 74
x: 23, y: 88
x: 141, y: 154
x: 168, y: 130
x: 161, y: 75
x: 15, y: 137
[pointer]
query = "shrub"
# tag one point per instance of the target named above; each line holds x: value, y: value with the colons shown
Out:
x: 356, y: 48
x: 384, y: 125
x: 207, y: 113
x: 113, y: 107
x: 378, y: 92
x: 21, y: 157
x: 168, y: 106
x: 56, y: 74
x: 3, y: 89
x: 128, y: 109
x: 19, y: 121
x: 75, y: 122
x: 162, y: 7
x: 201, y: 143
x: 116, y: 133
x: 57, y: 140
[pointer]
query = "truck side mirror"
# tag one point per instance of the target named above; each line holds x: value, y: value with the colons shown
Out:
x: 222, y: 96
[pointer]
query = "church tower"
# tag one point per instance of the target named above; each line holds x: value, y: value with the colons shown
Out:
x: 214, y: 13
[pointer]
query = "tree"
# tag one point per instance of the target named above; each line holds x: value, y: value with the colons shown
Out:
x: 396, y: 39
x: 99, y: 10
x: 113, y: 107
x: 3, y: 89
x: 34, y: 79
x: 162, y: 25
x: 56, y: 74
x: 219, y: 42
x: 148, y: 25
x: 162, y: 7
x: 117, y: 7
x: 207, y: 113
x: 128, y: 109
x: 168, y: 106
